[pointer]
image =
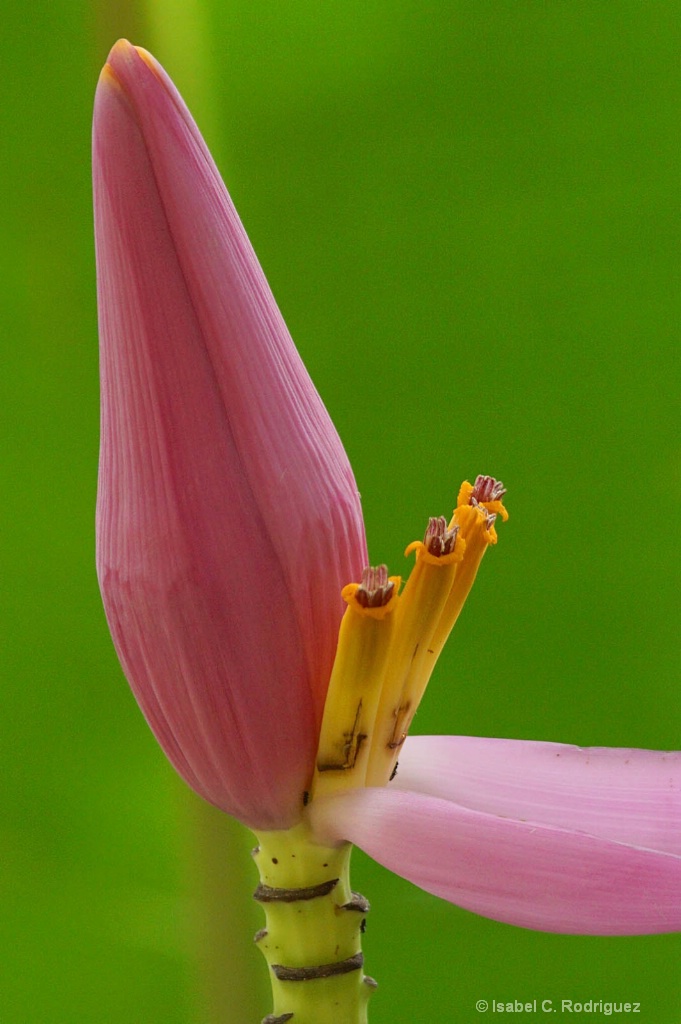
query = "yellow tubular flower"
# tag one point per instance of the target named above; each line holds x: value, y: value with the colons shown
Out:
x: 477, y: 507
x: 364, y: 645
x: 420, y: 608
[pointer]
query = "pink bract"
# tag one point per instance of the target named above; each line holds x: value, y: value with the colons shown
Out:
x: 541, y: 835
x: 228, y: 518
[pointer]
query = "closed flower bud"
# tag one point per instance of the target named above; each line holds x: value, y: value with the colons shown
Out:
x: 228, y: 518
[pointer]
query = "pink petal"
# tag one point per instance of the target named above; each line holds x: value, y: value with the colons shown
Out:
x: 631, y: 796
x: 525, y: 874
x: 228, y: 518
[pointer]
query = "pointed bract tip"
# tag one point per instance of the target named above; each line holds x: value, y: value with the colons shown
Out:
x: 148, y: 59
x: 125, y: 52
x: 122, y: 46
x: 121, y: 51
x: 107, y: 76
x: 127, y: 65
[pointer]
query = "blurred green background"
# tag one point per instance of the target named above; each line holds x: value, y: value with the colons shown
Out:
x: 469, y: 214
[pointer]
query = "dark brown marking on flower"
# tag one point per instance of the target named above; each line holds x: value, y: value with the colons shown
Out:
x: 376, y: 589
x: 281, y: 1019
x: 306, y: 798
x: 399, y: 733
x: 439, y: 539
x: 352, y: 744
x: 486, y: 488
x: 352, y: 963
x: 270, y: 894
x: 358, y: 902
x: 393, y: 772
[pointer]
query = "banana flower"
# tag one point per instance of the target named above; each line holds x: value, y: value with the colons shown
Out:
x: 279, y: 673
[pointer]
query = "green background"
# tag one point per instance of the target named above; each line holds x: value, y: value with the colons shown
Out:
x: 469, y: 214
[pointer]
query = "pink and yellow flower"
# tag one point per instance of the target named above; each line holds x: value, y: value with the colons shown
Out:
x: 228, y: 531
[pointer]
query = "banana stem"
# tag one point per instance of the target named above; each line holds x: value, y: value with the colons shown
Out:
x: 312, y: 936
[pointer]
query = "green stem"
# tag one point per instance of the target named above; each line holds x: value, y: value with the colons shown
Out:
x: 314, y: 921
